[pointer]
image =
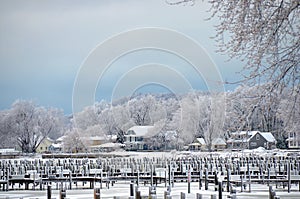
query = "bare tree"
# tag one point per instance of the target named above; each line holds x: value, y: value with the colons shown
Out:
x: 30, y: 124
x: 264, y: 34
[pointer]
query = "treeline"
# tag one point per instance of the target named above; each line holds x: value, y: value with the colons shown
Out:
x: 195, y: 114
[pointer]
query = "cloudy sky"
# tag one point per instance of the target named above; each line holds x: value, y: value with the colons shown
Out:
x: 44, y: 45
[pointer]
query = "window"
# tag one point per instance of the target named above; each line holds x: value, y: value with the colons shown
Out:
x: 257, y: 136
x: 253, y: 144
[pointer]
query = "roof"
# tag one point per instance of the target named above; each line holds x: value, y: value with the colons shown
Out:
x: 201, y: 141
x: 250, y: 133
x: 94, y: 138
x: 56, y: 145
x: 195, y: 144
x: 61, y: 139
x: 140, y: 130
x: 268, y: 136
x: 218, y: 141
x: 110, y: 145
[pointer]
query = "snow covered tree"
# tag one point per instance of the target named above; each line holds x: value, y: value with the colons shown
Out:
x: 30, y: 124
x: 263, y: 34
x: 139, y: 109
x: 72, y: 142
x: 7, y: 137
x: 266, y: 34
x: 122, y: 121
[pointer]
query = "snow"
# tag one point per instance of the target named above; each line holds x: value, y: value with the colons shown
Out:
x: 268, y: 136
x: 140, y: 130
x: 201, y: 141
x: 122, y: 191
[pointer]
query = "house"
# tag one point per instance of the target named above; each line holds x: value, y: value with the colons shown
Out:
x: 218, y: 144
x: 110, y: 146
x: 199, y: 144
x: 136, y: 137
x: 58, y: 145
x: 44, y: 145
x: 294, y: 140
x: 93, y: 143
x: 251, y: 140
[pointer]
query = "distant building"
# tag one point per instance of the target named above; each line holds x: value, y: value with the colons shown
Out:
x: 251, y: 140
x: 136, y: 136
x: 44, y: 145
x: 199, y: 144
x: 218, y: 144
x: 294, y: 140
x: 93, y: 143
x: 58, y: 145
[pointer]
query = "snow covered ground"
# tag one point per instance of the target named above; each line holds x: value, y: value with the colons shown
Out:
x: 122, y: 191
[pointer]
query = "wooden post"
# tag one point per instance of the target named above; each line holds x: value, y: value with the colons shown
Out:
x: 151, y: 174
x: 200, y: 179
x: 272, y: 193
x: 269, y: 177
x: 138, y: 194
x: 220, y: 189
x: 97, y: 193
x: 138, y: 177
x: 228, y: 180
x: 249, y: 176
x: 63, y: 193
x: 289, y: 176
x: 216, y: 180
x: 70, y: 179
x: 131, y: 189
x: 182, y: 195
x: 241, y: 183
x: 49, y: 192
x: 198, y: 196
x: 206, y: 179
x: 101, y: 178
x: 169, y: 171
x: 189, y: 179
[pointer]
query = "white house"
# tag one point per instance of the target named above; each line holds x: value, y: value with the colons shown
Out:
x: 294, y: 140
x: 135, y: 137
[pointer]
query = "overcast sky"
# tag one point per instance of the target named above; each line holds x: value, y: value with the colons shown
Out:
x: 43, y: 44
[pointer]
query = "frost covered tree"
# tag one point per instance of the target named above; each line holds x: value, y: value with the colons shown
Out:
x: 122, y: 121
x: 27, y: 125
x: 139, y: 109
x: 266, y: 34
x: 263, y: 34
x: 72, y: 142
x: 7, y: 138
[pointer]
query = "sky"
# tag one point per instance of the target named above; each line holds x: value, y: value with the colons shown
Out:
x: 45, y: 45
